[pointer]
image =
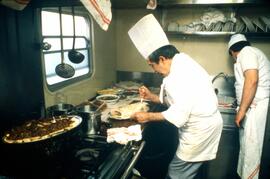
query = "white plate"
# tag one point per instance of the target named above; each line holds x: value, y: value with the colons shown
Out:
x: 266, y: 21
x: 248, y: 24
x: 258, y: 24
x: 118, y: 117
x: 239, y: 26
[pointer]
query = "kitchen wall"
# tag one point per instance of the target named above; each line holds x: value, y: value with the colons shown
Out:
x: 104, y: 69
x: 114, y: 51
x: 209, y: 51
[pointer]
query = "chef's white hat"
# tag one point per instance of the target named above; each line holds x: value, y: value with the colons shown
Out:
x: 147, y: 35
x: 236, y: 38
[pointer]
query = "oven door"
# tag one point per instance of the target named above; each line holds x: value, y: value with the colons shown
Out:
x: 121, y: 162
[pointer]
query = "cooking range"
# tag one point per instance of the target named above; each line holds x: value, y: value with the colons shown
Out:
x: 86, y: 156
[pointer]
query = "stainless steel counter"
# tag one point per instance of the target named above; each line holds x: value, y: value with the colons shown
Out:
x: 225, y: 164
x: 228, y: 115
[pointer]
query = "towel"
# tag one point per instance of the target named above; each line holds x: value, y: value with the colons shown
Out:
x: 123, y: 135
x: 100, y: 11
x: 15, y: 4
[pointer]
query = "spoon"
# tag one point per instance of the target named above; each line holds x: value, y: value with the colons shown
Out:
x: 73, y: 55
x: 63, y: 70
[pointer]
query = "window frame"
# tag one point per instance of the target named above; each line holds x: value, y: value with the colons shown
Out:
x: 89, y: 47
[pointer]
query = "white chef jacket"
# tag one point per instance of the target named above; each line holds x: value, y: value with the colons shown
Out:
x: 252, y: 134
x: 252, y: 58
x: 193, y: 108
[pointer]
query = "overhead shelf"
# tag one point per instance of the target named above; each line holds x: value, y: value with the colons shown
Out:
x: 207, y: 34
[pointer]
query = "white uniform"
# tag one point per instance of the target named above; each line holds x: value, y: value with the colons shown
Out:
x: 251, y: 137
x: 193, y: 108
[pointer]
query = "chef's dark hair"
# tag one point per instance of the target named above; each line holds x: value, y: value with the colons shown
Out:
x: 238, y: 46
x: 167, y: 51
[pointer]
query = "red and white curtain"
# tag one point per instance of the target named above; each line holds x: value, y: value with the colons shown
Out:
x: 100, y: 10
x: 15, y: 4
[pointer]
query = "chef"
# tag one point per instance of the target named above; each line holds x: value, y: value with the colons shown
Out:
x: 187, y: 91
x: 252, y: 74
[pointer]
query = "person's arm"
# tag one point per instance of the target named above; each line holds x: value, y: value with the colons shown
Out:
x: 145, y: 93
x: 143, y: 117
x: 249, y: 91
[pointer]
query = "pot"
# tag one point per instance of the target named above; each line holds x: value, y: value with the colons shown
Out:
x: 91, y: 119
x: 59, y: 109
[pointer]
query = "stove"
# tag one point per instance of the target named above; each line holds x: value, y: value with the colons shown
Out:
x: 81, y: 157
x: 87, y: 155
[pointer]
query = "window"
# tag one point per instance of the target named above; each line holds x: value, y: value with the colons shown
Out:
x: 51, y: 39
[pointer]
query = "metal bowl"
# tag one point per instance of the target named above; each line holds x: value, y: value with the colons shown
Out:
x: 108, y: 98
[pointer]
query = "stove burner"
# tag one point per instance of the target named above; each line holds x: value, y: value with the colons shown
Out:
x: 87, y: 154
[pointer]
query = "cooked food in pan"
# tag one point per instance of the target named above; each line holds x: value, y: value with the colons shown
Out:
x: 36, y: 130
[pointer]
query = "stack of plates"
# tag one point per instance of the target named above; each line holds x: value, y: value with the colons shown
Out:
x: 249, y: 25
x: 218, y: 26
x: 228, y: 26
x: 259, y: 25
x: 239, y: 26
x: 266, y: 22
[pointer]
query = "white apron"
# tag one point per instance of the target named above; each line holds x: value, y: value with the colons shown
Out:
x: 252, y: 134
x: 251, y: 140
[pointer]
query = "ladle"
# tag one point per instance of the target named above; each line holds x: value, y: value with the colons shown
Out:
x: 63, y: 70
x: 73, y: 55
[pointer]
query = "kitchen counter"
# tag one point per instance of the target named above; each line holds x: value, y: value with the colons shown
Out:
x: 160, y: 134
x: 225, y: 164
x: 228, y: 116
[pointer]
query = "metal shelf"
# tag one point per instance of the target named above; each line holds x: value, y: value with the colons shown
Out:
x: 207, y: 34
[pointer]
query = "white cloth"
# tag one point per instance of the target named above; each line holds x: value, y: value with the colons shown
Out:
x: 251, y: 137
x: 123, y: 135
x: 252, y: 58
x: 212, y: 16
x: 193, y: 108
x: 100, y: 11
x: 147, y: 35
x: 251, y: 140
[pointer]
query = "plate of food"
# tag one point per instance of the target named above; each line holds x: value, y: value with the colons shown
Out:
x: 110, y: 91
x: 41, y: 129
x: 125, y: 112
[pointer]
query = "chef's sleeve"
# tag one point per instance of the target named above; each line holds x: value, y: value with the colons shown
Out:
x: 248, y: 59
x: 179, y: 111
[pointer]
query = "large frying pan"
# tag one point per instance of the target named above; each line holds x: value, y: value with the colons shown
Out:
x: 38, y: 130
x: 39, y: 157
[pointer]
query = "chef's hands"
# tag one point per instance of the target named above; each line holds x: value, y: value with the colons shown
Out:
x: 239, y: 118
x: 143, y: 117
x: 145, y: 93
x: 140, y: 117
